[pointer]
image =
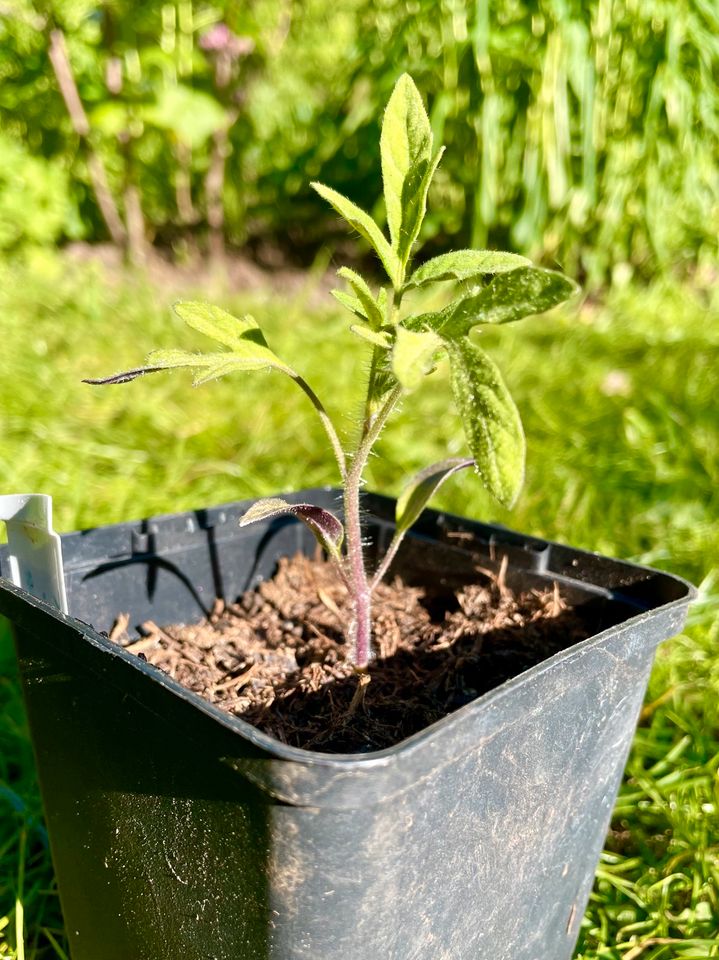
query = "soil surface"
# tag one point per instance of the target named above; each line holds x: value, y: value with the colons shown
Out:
x: 278, y: 657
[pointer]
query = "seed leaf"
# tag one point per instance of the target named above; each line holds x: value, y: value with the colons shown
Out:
x: 365, y: 226
x: 422, y: 487
x: 465, y: 265
x: 370, y: 306
x: 490, y: 419
x: 324, y: 525
x: 413, y: 356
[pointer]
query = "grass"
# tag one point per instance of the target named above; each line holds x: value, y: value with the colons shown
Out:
x: 619, y: 403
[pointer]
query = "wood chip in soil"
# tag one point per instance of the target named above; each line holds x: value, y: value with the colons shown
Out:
x: 278, y: 657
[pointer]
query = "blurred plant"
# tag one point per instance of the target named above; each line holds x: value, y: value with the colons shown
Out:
x: 584, y: 132
x: 33, y: 198
x: 225, y: 50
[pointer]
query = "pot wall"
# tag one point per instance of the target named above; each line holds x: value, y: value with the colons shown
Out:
x: 178, y: 831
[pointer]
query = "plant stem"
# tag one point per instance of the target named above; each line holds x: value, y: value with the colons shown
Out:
x: 326, y: 423
x: 386, y: 560
x: 361, y: 632
x: 361, y: 628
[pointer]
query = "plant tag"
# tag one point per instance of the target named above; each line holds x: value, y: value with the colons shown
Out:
x: 35, y: 552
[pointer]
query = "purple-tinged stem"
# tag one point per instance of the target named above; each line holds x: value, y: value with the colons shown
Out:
x: 361, y: 634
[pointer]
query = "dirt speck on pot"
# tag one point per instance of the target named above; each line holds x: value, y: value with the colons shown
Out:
x: 278, y: 657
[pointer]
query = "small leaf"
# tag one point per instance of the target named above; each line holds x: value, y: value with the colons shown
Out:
x: 509, y: 297
x: 490, y: 419
x: 419, y: 491
x: 413, y: 356
x: 384, y: 381
x: 415, y: 211
x: 365, y: 226
x: 324, y: 525
x: 248, y: 348
x: 406, y: 150
x: 350, y: 302
x: 378, y: 338
x: 364, y: 295
x: 465, y: 265
x: 218, y: 324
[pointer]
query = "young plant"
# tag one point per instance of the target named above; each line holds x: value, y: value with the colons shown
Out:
x: 492, y: 288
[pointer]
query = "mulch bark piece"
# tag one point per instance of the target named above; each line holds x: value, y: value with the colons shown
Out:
x: 278, y: 657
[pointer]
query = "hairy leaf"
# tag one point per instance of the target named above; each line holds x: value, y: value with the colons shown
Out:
x: 384, y: 381
x: 413, y: 356
x: 490, y: 419
x: 363, y: 293
x: 350, y: 302
x: 382, y: 300
x: 466, y: 265
x: 378, y: 338
x: 509, y: 297
x: 406, y: 151
x: 365, y: 226
x: 422, y: 487
x: 415, y: 209
x: 232, y: 332
x: 248, y: 348
x: 324, y: 525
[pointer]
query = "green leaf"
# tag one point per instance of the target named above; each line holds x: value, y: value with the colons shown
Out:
x: 350, y: 302
x: 365, y: 226
x: 406, y: 151
x: 384, y: 381
x: 413, y: 356
x: 509, y: 297
x: 218, y: 324
x: 378, y: 338
x: 465, y: 265
x: 324, y: 525
x: 248, y: 348
x: 416, y: 210
x: 422, y: 487
x: 490, y: 419
x: 363, y: 293
x: 382, y: 300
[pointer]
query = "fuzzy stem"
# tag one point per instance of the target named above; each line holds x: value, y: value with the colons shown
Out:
x: 361, y: 635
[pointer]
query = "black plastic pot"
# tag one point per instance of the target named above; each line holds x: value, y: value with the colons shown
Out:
x: 181, y: 833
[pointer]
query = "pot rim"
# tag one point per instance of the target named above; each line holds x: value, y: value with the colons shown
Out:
x: 383, y: 757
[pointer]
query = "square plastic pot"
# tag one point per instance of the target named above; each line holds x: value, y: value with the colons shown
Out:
x: 178, y: 831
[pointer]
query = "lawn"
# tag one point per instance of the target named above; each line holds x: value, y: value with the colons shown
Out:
x: 619, y: 404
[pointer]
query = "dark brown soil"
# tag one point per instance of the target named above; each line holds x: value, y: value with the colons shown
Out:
x: 278, y: 658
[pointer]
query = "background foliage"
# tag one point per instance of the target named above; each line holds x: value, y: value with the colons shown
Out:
x: 581, y: 131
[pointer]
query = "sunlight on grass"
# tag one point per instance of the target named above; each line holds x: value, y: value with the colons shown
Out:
x: 619, y: 405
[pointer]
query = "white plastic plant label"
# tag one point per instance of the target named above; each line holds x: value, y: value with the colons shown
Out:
x: 35, y: 555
